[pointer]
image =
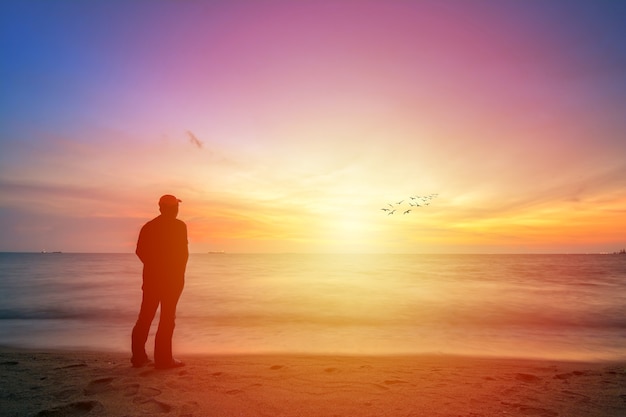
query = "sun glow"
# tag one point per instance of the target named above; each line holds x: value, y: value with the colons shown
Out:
x: 348, y: 233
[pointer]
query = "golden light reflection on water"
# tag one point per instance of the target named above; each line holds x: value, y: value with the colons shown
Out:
x: 333, y: 303
x: 396, y: 304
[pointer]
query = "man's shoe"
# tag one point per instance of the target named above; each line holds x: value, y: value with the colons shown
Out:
x: 174, y: 363
x: 138, y: 363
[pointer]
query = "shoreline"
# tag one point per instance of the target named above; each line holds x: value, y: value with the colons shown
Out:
x: 46, y: 382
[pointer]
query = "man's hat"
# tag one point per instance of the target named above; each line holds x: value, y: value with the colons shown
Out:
x: 169, y: 200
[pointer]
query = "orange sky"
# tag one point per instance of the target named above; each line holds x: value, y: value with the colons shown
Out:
x: 287, y: 126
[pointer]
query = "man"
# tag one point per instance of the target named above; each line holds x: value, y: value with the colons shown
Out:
x: 162, y: 248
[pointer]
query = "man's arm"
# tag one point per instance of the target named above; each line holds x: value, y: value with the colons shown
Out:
x: 142, y: 250
x: 185, y: 253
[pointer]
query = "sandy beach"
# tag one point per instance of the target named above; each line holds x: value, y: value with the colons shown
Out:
x: 64, y: 383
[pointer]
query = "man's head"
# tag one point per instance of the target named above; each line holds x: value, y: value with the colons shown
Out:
x: 168, y: 205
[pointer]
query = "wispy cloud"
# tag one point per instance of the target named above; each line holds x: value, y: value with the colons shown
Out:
x: 194, y: 140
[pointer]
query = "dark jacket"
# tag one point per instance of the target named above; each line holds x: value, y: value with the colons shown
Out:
x: 162, y: 247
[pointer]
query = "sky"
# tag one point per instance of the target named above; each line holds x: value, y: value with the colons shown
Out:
x: 286, y: 126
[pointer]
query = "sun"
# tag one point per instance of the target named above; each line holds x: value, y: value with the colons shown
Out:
x: 349, y: 233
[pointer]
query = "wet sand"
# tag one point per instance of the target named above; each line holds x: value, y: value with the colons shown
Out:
x: 63, y: 383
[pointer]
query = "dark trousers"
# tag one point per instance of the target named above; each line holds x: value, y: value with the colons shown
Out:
x: 163, y: 340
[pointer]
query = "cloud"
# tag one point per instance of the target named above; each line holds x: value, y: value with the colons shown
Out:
x: 193, y: 139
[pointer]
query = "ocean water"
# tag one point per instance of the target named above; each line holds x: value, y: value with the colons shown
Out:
x: 533, y: 306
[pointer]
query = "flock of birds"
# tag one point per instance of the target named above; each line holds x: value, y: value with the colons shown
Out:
x: 414, y: 202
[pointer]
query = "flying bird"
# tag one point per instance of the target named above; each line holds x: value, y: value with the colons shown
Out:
x: 193, y: 139
x: 416, y: 201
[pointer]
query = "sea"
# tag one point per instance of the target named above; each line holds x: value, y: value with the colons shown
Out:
x: 563, y: 307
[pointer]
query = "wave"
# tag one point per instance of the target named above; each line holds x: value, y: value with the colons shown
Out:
x: 609, y: 319
x: 63, y: 314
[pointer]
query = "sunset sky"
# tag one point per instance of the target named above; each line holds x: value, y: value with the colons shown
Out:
x: 285, y: 126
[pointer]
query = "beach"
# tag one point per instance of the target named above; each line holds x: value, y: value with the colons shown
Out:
x: 76, y: 383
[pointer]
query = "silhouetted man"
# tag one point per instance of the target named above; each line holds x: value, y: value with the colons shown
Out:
x: 162, y: 247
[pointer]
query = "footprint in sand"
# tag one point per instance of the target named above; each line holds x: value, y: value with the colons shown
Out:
x: 531, y: 411
x: 98, y: 385
x: 76, y: 409
x: 615, y: 371
x: 234, y: 392
x: 131, y: 389
x: 541, y: 412
x: 527, y: 378
x: 395, y: 381
x: 65, y: 394
x: 576, y: 395
x: 150, y: 392
x: 151, y: 405
x: 188, y: 409
x: 76, y: 365
x: 144, y: 396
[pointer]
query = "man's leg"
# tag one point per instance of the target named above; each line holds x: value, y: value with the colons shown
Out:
x: 149, y: 305
x: 163, y: 340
